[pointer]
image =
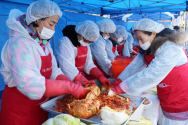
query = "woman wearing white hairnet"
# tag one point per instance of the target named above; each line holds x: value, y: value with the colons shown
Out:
x: 167, y: 69
x: 98, y: 48
x: 126, y: 47
x: 74, y: 54
x: 29, y: 67
x: 115, y: 39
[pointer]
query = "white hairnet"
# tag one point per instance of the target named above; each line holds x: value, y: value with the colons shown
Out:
x: 88, y: 29
x: 106, y: 26
x: 120, y: 32
x: 147, y: 24
x: 42, y: 9
x: 166, y: 25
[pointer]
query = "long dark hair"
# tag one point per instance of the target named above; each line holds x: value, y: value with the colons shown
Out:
x: 69, y: 31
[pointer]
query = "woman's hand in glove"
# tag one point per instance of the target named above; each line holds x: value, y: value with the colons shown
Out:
x: 118, y: 90
x: 117, y: 82
x: 89, y: 83
x: 105, y: 82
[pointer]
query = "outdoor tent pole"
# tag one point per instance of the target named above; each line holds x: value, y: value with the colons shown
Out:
x: 101, y: 12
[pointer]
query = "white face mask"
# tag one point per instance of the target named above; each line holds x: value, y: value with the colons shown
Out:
x: 46, y: 33
x: 83, y: 43
x: 146, y: 45
x: 106, y: 37
x: 120, y: 39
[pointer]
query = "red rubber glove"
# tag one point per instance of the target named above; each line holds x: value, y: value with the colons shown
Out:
x: 118, y: 90
x: 80, y: 78
x: 99, y: 75
x: 62, y: 77
x: 136, y: 48
x: 134, y: 52
x: 79, y: 83
x: 86, y: 84
x: 117, y: 82
x: 118, y: 57
x: 105, y: 82
x: 61, y: 87
x: 89, y: 83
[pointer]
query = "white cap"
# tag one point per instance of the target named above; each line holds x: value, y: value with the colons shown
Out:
x: 120, y: 32
x: 106, y: 26
x: 42, y: 9
x: 147, y: 24
x: 88, y: 29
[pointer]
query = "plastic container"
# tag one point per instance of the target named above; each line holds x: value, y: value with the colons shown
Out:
x: 118, y: 66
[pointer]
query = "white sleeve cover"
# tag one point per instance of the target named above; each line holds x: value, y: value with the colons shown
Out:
x: 100, y: 55
x: 89, y: 62
x: 130, y: 42
x: 126, y: 49
x: 166, y: 58
x: 109, y: 46
x: 135, y: 66
x: 66, y: 57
